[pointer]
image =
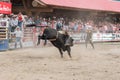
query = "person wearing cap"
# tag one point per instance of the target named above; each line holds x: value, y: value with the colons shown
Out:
x: 89, y: 33
x: 13, y: 23
x: 18, y: 35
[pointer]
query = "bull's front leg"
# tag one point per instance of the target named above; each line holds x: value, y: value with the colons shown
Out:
x: 69, y: 51
x: 61, y: 53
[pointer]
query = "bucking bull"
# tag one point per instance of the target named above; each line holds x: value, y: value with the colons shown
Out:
x: 60, y: 39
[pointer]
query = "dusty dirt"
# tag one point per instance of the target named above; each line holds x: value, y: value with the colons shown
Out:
x: 44, y: 63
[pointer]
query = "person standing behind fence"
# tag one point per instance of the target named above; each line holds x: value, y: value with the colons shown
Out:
x: 89, y: 33
x: 59, y: 25
x: 20, y: 20
x: 18, y: 35
x: 13, y: 23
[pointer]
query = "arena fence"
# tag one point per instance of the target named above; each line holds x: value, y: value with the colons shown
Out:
x: 31, y: 34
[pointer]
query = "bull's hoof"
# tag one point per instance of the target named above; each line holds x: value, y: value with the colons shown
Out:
x: 61, y: 56
x: 70, y: 57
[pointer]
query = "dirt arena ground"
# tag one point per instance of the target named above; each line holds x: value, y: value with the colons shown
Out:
x: 44, y: 63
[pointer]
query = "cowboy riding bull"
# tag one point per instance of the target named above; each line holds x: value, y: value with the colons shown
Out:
x: 60, y: 39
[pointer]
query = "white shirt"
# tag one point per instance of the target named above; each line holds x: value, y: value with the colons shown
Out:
x: 89, y: 27
x: 13, y: 22
x: 18, y: 33
x: 44, y: 23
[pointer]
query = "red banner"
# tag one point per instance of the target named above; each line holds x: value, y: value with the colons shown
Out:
x: 5, y: 8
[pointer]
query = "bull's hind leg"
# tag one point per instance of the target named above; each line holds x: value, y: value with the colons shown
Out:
x: 69, y: 50
x: 61, y: 53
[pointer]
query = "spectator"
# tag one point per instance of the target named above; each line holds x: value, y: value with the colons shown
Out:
x: 13, y: 23
x: 20, y: 20
x: 75, y: 27
x: 44, y: 22
x: 59, y: 25
x: 37, y: 21
x: 18, y: 35
x: 6, y: 18
x: 1, y: 16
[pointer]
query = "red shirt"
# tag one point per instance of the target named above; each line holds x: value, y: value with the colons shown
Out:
x: 20, y: 18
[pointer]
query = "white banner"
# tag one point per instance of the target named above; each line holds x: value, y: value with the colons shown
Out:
x: 97, y: 37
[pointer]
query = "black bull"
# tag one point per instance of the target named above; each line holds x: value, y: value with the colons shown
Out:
x: 57, y: 39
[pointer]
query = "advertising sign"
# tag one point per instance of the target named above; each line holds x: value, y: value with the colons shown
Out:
x: 5, y: 8
x: 97, y: 37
